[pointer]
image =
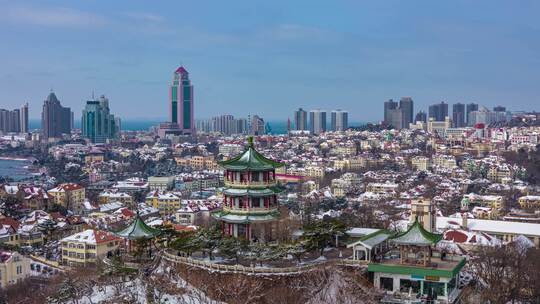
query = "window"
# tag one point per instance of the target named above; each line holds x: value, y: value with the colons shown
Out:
x: 387, y: 284
x: 433, y: 289
x: 406, y: 285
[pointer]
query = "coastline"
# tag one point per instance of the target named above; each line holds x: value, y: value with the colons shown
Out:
x: 14, y: 158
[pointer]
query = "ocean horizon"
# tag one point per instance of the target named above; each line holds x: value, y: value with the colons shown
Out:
x: 276, y: 126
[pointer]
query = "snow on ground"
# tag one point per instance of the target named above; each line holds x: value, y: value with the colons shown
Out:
x: 137, y: 290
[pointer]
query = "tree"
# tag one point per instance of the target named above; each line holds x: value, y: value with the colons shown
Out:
x: 259, y: 253
x: 507, y: 274
x: 208, y: 240
x: 232, y: 247
x: 297, y: 250
x: 319, y: 234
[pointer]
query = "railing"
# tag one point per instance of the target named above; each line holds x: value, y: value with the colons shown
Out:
x: 248, y: 269
x: 249, y: 210
x: 261, y: 184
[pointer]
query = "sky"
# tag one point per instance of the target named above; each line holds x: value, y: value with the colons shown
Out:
x: 270, y: 57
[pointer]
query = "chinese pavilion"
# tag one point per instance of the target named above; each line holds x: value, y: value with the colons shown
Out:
x: 139, y: 232
x: 250, y: 206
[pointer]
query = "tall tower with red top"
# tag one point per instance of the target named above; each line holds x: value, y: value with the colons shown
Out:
x: 181, y: 102
x: 250, y: 207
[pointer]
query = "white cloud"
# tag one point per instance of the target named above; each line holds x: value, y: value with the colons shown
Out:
x: 53, y: 17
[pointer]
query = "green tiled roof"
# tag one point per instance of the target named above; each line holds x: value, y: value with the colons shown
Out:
x: 417, y: 271
x: 250, y: 160
x: 138, y: 230
x: 416, y: 235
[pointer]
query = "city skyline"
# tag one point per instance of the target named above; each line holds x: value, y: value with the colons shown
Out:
x: 361, y: 54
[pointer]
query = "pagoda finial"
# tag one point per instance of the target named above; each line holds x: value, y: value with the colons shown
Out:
x: 250, y: 142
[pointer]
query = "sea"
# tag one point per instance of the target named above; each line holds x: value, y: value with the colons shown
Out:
x: 16, y: 169
x: 276, y: 127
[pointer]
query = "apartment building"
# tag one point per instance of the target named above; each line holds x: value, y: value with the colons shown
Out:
x: 88, y: 247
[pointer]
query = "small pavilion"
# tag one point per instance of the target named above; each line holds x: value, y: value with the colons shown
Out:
x: 138, y: 230
x: 415, y: 244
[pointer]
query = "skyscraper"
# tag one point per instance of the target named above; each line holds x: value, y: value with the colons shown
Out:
x: 396, y: 118
x: 406, y: 105
x: 438, y: 111
x: 317, y: 121
x: 24, y: 118
x: 257, y: 125
x: 458, y: 115
x: 98, y: 124
x: 339, y: 120
x: 389, y: 105
x: 14, y: 121
x: 499, y: 109
x: 300, y: 119
x: 55, y: 119
x: 181, y: 102
x: 471, y: 107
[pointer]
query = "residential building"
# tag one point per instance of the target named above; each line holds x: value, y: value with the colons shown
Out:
x: 339, y: 120
x: 55, y: 119
x: 257, y: 126
x: 160, y: 183
x: 166, y: 202
x: 88, y: 247
x: 14, y: 268
x: 15, y: 121
x: 98, y: 124
x: 420, y: 163
x: 181, y: 102
x: 300, y: 120
x: 484, y: 116
x: 317, y: 121
x: 69, y: 195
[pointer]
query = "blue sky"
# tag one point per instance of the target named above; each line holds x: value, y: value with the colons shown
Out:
x: 270, y: 57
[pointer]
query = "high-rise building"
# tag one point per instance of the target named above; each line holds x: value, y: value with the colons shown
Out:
x: 421, y: 116
x: 98, y: 124
x: 55, y: 119
x: 181, y: 102
x: 14, y: 121
x: 388, y: 106
x: 24, y: 118
x: 395, y: 118
x: 486, y: 117
x: 499, y: 109
x: 471, y: 107
x: 317, y: 121
x: 438, y: 111
x: 339, y: 120
x: 257, y: 125
x: 406, y: 105
x: 300, y: 120
x: 458, y: 115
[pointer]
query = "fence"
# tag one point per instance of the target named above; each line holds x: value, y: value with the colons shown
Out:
x: 253, y: 270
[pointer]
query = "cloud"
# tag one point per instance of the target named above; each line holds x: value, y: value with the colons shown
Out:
x: 51, y: 17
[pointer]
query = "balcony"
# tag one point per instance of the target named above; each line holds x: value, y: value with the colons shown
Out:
x: 249, y: 210
x: 250, y: 184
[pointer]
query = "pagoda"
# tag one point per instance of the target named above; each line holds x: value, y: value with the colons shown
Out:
x: 250, y: 206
